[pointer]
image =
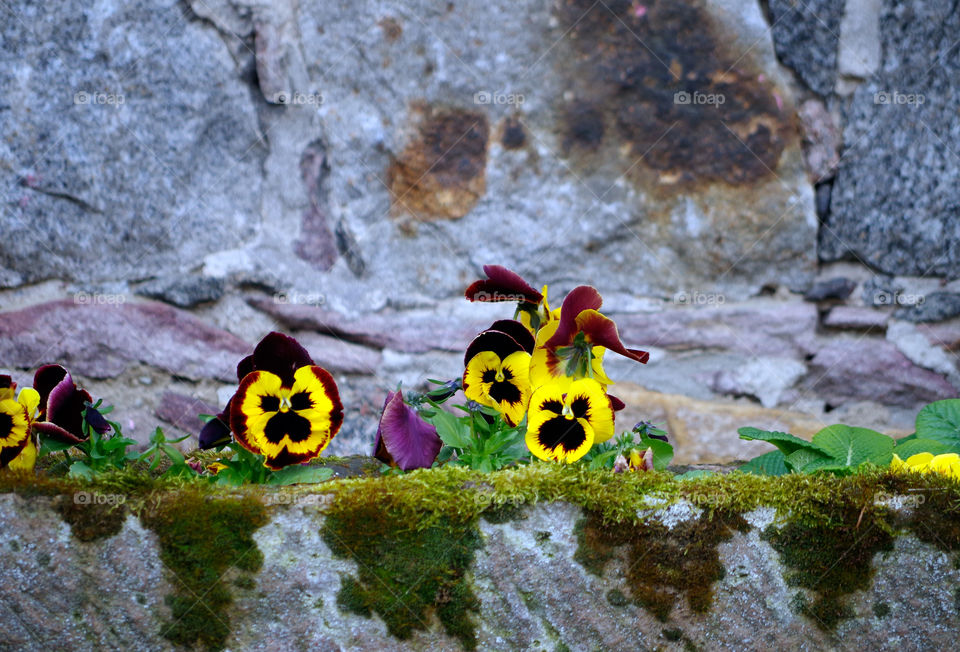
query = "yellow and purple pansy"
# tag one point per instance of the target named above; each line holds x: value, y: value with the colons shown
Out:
x: 564, y: 422
x: 18, y: 450
x: 497, y: 369
x: 573, y: 345
x: 286, y: 407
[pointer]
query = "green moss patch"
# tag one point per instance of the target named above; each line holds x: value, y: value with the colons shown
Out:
x: 405, y: 575
x: 201, y: 537
x: 663, y: 565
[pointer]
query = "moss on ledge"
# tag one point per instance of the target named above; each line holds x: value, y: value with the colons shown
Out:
x: 398, y: 527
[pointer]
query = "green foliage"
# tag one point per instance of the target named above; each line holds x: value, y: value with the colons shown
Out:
x: 244, y: 467
x: 101, y: 453
x: 160, y: 448
x: 940, y: 421
x: 845, y: 449
x: 643, y: 436
x: 480, y: 439
x: 838, y: 448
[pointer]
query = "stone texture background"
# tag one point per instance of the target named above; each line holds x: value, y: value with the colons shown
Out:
x: 533, y: 593
x: 179, y: 178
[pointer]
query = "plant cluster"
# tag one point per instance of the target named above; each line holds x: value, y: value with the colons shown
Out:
x: 933, y: 448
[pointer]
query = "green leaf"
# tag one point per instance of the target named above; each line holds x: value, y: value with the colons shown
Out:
x: 79, y: 469
x: 604, y: 460
x: 175, y: 455
x: 801, y: 458
x: 662, y: 452
x: 786, y: 442
x: 772, y: 463
x: 48, y: 446
x: 850, y: 447
x: 299, y: 474
x: 940, y: 421
x: 116, y: 442
x: 916, y: 446
x: 451, y: 430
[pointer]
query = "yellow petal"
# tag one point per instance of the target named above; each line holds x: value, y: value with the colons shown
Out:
x: 919, y: 461
x: 29, y: 398
x: 480, y: 371
x: 27, y: 458
x: 593, y: 403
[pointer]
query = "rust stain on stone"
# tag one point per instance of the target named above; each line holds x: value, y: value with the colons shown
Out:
x: 441, y: 173
x: 657, y: 81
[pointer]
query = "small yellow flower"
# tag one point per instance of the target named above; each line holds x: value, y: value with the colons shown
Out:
x: 18, y: 451
x: 947, y: 464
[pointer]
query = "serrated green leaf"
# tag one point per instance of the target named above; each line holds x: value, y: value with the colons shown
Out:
x: 940, y: 421
x: 299, y: 475
x: 772, y: 463
x: 784, y: 441
x: 851, y: 447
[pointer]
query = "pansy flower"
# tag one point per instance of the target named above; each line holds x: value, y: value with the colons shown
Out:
x: 18, y: 451
x: 63, y: 406
x: 404, y: 439
x: 576, y: 342
x: 497, y: 369
x: 286, y: 408
x: 565, y: 422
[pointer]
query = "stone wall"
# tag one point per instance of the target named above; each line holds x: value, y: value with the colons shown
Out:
x: 762, y: 192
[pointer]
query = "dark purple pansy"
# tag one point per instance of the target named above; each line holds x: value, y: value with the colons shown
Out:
x: 63, y: 406
x: 277, y: 353
x: 502, y: 285
x: 403, y: 437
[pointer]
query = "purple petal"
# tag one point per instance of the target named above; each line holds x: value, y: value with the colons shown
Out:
x: 244, y: 367
x: 65, y: 406
x: 280, y: 354
x: 54, y: 431
x: 411, y: 442
x: 580, y: 298
x: 502, y: 285
x: 46, y: 378
x: 96, y: 420
x: 490, y: 340
x: 214, y: 433
x: 517, y: 331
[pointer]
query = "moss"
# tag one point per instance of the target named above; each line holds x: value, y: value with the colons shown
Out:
x: 245, y: 582
x: 405, y: 574
x: 616, y: 598
x: 662, y: 564
x: 881, y: 609
x: 89, y: 518
x: 833, y: 556
x: 506, y: 513
x: 673, y: 634
x: 200, y: 538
